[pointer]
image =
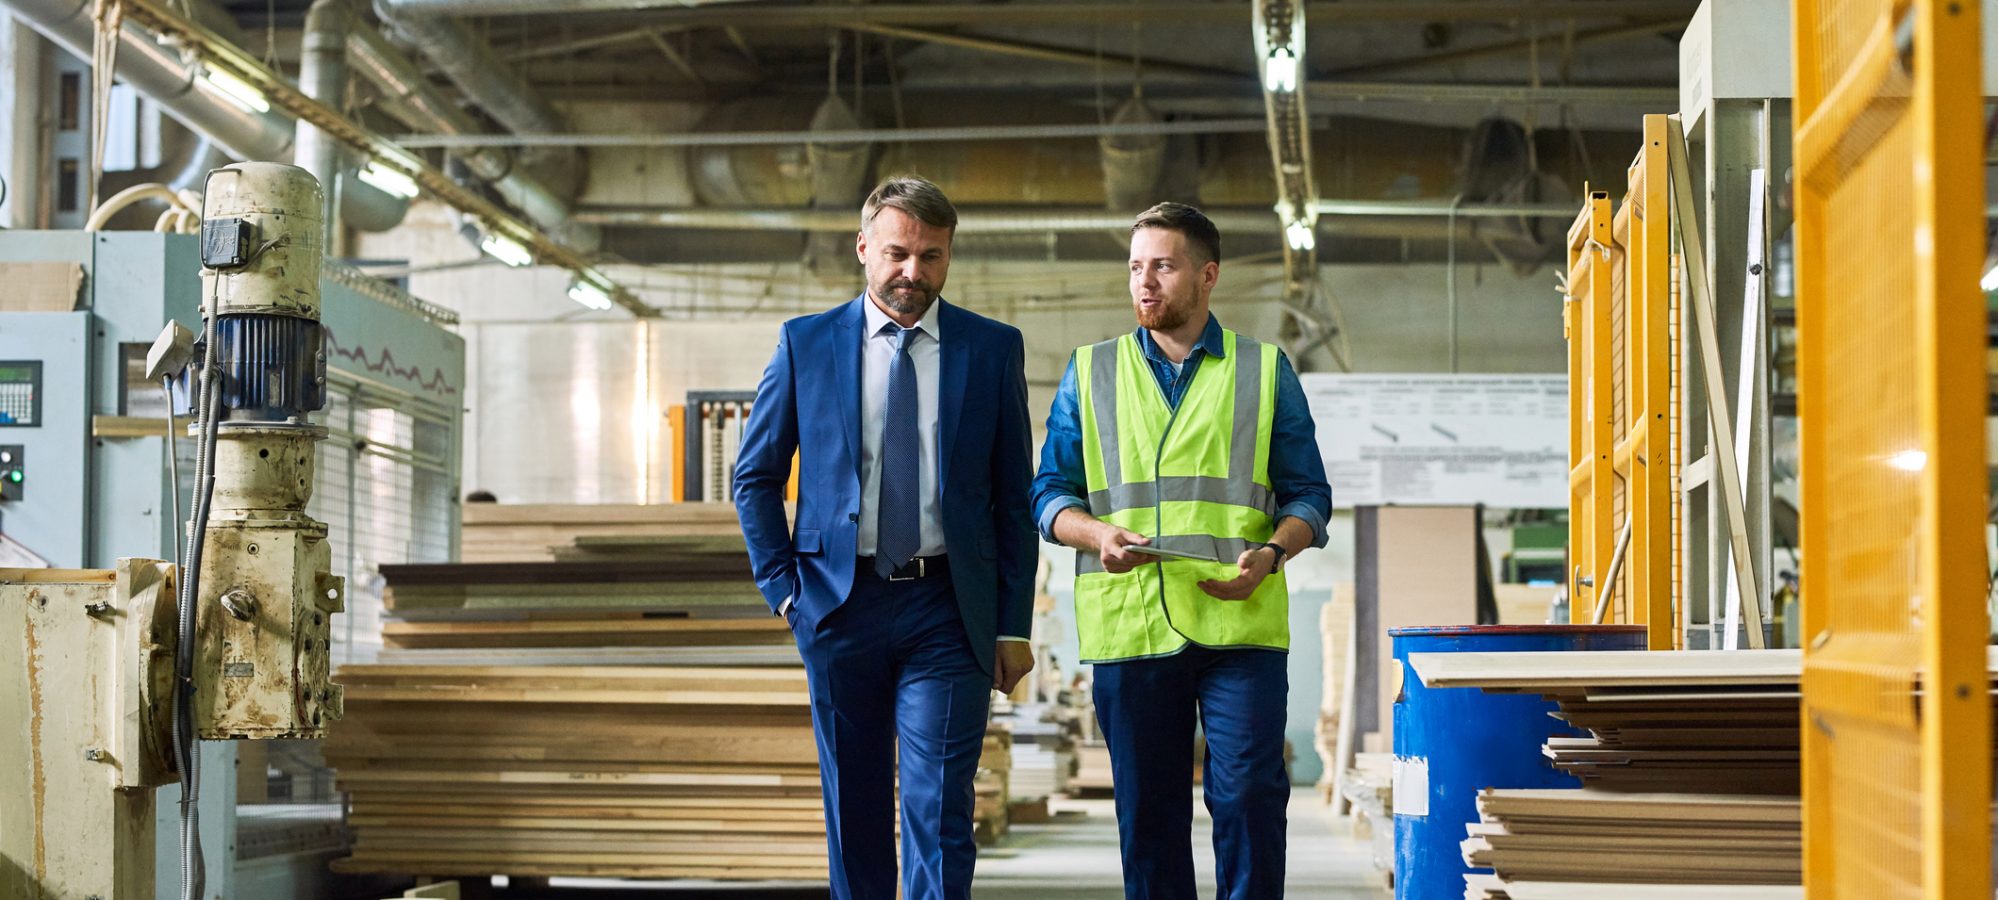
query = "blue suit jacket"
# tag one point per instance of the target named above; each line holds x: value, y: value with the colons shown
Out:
x: 809, y: 403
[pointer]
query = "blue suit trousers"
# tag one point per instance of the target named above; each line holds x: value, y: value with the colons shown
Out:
x: 893, y: 661
x: 1148, y: 709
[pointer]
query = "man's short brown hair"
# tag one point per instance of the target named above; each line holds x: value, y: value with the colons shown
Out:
x: 1198, y: 229
x: 912, y: 195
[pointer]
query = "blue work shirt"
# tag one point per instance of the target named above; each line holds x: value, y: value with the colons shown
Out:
x: 1297, y: 472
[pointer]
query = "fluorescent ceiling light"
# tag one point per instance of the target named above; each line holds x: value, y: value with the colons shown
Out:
x: 588, y: 293
x: 390, y: 180
x: 1298, y: 234
x: 236, y: 90
x: 1280, y: 71
x: 506, y: 250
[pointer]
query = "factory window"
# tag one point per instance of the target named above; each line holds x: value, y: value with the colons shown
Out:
x: 69, y: 102
x: 68, y: 185
x: 131, y: 131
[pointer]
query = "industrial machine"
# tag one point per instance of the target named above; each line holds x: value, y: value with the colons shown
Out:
x: 128, y: 672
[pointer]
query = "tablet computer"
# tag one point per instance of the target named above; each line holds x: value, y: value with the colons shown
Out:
x: 1172, y: 554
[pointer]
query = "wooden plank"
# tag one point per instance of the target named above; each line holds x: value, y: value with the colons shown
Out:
x: 1599, y: 891
x: 1609, y: 667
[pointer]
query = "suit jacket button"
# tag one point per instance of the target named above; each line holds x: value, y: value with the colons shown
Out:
x: 853, y: 517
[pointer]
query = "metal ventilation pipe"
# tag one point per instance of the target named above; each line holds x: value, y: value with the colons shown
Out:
x: 159, y: 73
x: 839, y: 184
x: 471, y: 64
x: 322, y: 75
x: 412, y: 99
x: 1132, y: 164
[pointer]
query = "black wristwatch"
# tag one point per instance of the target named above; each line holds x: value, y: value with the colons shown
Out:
x: 1282, y: 555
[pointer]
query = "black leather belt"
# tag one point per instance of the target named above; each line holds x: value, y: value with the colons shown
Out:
x: 921, y: 567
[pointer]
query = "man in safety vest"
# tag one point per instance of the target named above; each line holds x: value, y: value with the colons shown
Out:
x: 1181, y: 465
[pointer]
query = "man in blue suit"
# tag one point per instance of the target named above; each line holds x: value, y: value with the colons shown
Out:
x: 908, y: 582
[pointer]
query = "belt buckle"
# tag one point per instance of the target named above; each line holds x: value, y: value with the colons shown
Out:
x: 921, y: 566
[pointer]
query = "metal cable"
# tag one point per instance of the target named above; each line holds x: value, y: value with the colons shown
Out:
x: 173, y: 468
x: 193, y: 874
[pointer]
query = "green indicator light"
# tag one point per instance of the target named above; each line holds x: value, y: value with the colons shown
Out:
x: 15, y: 476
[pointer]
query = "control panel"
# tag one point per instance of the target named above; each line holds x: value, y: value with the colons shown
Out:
x: 45, y: 384
x: 13, y: 471
x: 20, y: 393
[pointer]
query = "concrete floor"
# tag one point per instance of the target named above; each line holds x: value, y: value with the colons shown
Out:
x: 1072, y: 858
x: 1075, y: 857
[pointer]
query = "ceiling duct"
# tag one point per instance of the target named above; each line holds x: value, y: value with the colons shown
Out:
x: 470, y: 63
x: 411, y: 98
x: 1133, y: 164
x: 1501, y: 166
x: 839, y: 184
x: 161, y: 74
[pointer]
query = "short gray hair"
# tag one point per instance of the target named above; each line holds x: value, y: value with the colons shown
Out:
x: 913, y: 195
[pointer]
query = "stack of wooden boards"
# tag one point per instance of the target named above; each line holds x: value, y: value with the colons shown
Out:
x: 601, y: 693
x: 1043, y: 752
x: 1677, y: 839
x: 995, y: 768
x: 496, y: 532
x: 631, y: 771
x: 1092, y: 769
x: 1685, y: 721
x: 1691, y: 766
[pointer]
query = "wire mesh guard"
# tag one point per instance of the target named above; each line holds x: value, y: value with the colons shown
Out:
x: 1897, y: 748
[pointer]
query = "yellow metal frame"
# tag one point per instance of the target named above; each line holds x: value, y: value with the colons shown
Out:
x: 1891, y: 393
x: 1623, y: 380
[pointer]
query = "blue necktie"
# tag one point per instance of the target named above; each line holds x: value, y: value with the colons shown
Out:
x: 898, y: 509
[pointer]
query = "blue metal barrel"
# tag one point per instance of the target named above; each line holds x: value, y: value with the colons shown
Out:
x: 1451, y: 743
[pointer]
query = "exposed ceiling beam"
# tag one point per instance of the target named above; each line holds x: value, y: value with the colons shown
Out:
x: 1046, y: 52
x: 566, y: 46
x: 674, y: 56
x: 164, y: 17
x: 868, y: 135
x: 1336, y: 217
x: 1486, y: 94
x: 797, y: 15
x: 1511, y: 48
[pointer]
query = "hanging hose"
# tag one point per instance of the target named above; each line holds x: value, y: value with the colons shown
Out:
x: 193, y: 873
x: 183, y: 201
x: 173, y: 472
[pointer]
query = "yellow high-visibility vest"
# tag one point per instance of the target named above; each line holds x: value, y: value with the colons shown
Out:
x: 1194, y: 480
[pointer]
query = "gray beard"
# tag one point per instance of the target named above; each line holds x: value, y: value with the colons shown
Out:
x: 907, y: 307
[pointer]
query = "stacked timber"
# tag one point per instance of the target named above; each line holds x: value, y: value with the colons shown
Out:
x: 1092, y: 769
x: 626, y: 771
x: 601, y: 692
x: 1644, y: 838
x: 1369, y: 786
x: 990, y: 785
x: 493, y: 532
x: 1554, y: 890
x: 1043, y: 752
x: 1690, y: 767
x: 1713, y: 721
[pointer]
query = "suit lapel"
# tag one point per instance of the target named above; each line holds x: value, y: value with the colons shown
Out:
x: 954, y: 368
x: 846, y: 369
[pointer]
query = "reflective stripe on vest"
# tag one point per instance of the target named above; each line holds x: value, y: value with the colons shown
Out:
x: 1193, y: 480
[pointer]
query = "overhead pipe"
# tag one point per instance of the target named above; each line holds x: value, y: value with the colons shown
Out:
x: 515, y: 7
x: 998, y: 220
x: 470, y: 63
x: 411, y: 98
x: 160, y: 74
x: 839, y: 184
x: 322, y: 75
